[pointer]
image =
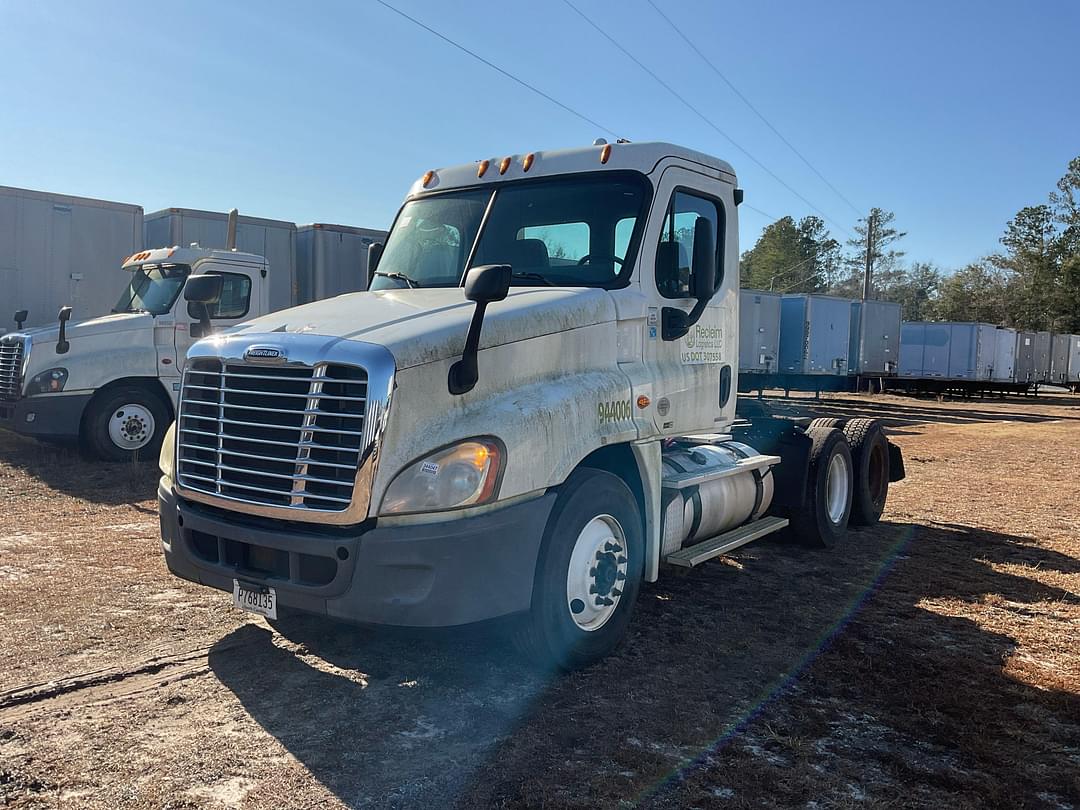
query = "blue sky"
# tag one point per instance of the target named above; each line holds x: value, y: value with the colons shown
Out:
x: 954, y: 114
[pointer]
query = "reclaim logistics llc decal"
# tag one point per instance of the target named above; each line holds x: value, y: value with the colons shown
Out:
x: 702, y: 344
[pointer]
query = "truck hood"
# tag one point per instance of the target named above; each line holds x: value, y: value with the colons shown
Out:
x: 427, y: 325
x: 120, y: 322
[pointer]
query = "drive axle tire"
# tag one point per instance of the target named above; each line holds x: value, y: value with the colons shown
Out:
x: 588, y: 574
x: 823, y: 517
x: 827, y: 422
x: 126, y: 423
x: 870, y: 460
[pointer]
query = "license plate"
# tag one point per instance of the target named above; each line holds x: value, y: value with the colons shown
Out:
x: 255, y: 599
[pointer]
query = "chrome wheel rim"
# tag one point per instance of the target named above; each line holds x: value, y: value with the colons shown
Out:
x: 837, y: 488
x: 131, y: 427
x: 596, y: 577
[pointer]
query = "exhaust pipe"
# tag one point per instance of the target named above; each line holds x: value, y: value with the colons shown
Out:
x: 230, y: 230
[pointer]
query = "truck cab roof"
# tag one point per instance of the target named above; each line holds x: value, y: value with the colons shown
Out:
x: 641, y: 157
x: 188, y: 255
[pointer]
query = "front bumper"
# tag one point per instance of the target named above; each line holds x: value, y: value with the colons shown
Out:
x: 52, y: 416
x: 431, y: 575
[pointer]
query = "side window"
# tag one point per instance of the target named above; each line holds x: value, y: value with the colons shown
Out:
x: 235, y: 297
x: 566, y: 242
x: 675, y: 252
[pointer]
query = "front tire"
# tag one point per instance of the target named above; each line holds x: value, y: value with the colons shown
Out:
x: 126, y: 423
x: 588, y: 575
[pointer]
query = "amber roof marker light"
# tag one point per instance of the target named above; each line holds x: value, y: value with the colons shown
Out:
x: 427, y: 178
x: 605, y: 153
x: 482, y: 168
x: 504, y: 164
x: 527, y: 163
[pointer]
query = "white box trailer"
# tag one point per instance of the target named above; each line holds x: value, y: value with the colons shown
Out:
x: 875, y: 338
x: 273, y: 239
x: 1004, y: 369
x: 759, y: 331
x: 58, y: 250
x: 332, y: 259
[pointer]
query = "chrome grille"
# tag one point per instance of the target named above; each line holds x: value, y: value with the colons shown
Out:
x: 288, y: 436
x: 11, y: 362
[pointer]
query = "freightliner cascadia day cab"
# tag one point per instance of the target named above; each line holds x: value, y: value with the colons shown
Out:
x: 112, y: 382
x: 531, y: 412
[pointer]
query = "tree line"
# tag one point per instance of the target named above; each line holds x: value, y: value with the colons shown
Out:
x: 1032, y: 283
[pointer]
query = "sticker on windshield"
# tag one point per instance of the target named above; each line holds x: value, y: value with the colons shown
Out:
x: 702, y: 344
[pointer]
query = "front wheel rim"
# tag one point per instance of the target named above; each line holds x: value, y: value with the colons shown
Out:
x: 837, y: 488
x: 596, y: 577
x: 131, y: 427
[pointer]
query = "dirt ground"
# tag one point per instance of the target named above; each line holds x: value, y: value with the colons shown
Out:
x: 933, y: 661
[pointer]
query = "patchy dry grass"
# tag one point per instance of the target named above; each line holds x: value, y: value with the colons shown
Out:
x: 933, y: 661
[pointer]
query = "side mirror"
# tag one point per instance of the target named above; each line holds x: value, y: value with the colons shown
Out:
x: 203, y: 291
x: 484, y: 285
x: 62, y: 344
x: 374, y: 253
x: 677, y: 323
x: 488, y: 283
x: 20, y: 317
x: 704, y: 259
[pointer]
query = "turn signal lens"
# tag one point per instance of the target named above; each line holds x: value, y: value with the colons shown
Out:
x: 643, y: 401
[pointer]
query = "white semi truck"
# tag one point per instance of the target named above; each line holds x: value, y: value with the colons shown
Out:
x: 530, y: 413
x: 112, y: 382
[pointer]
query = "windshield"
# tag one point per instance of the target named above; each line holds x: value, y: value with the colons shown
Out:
x: 579, y: 232
x: 153, y: 288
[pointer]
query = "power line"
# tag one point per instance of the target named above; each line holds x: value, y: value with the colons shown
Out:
x: 757, y: 211
x: 753, y: 109
x: 495, y: 67
x: 701, y: 115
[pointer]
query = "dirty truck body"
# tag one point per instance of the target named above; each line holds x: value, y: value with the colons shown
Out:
x: 531, y: 411
x: 113, y: 381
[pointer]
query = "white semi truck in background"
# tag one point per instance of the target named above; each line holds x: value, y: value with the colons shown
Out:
x: 532, y: 412
x: 112, y: 382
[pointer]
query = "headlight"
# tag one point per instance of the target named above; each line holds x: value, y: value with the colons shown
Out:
x: 167, y: 457
x: 49, y: 381
x: 464, y: 474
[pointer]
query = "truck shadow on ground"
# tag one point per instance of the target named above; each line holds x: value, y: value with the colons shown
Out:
x: 64, y: 468
x: 776, y: 672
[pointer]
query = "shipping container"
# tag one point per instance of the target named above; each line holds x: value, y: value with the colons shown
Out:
x: 1004, y: 355
x: 875, y: 338
x: 1074, y: 360
x: 1025, y: 357
x: 815, y: 334
x: 1043, y: 345
x: 924, y: 349
x: 332, y: 259
x: 759, y: 331
x: 971, y: 351
x: 57, y: 250
x: 274, y: 240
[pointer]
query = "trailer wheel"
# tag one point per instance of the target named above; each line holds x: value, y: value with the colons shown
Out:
x: 870, y: 460
x: 588, y: 575
x: 125, y: 423
x: 823, y: 518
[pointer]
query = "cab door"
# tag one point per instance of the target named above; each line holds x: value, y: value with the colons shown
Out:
x: 241, y: 293
x: 693, y: 374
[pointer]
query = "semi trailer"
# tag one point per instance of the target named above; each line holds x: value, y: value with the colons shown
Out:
x: 112, y: 382
x: 531, y: 412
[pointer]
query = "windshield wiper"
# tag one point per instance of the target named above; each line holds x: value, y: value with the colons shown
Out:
x: 412, y: 282
x: 535, y: 277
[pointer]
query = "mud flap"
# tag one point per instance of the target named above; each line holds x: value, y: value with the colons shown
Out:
x: 896, y: 464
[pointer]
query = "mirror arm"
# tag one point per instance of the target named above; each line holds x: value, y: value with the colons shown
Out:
x: 62, y: 343
x: 464, y: 373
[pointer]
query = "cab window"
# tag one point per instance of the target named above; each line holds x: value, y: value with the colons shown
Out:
x: 674, y: 254
x: 235, y: 298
